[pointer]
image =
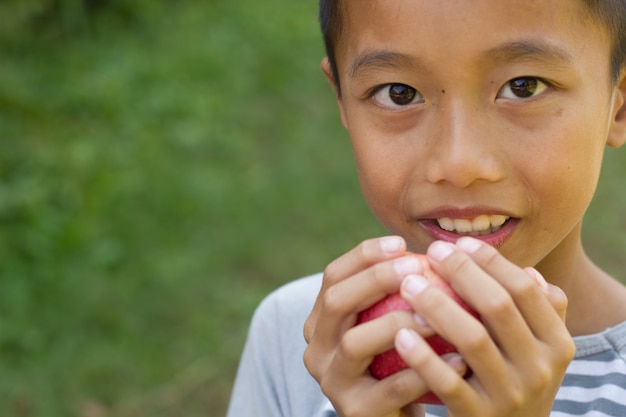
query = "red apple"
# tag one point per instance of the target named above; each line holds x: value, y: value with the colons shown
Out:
x: 390, y: 362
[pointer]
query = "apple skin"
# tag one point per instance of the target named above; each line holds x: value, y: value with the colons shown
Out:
x: 390, y: 362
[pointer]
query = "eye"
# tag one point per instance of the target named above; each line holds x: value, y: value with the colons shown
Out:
x: 396, y: 95
x: 523, y: 87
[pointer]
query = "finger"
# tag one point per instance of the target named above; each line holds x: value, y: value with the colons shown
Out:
x: 556, y: 296
x: 391, y: 396
x: 361, y: 343
x: 558, y: 299
x: 366, y: 254
x: 443, y: 375
x: 459, y: 328
x: 541, y: 320
x: 528, y: 292
x: 337, y: 306
x: 476, y: 283
x: 363, y: 256
x: 341, y: 303
x: 369, y: 286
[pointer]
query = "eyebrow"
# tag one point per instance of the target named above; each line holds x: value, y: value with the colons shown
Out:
x: 529, y: 50
x: 380, y: 60
x: 517, y: 51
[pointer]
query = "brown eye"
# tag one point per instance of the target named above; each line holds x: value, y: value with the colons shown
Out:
x: 401, y: 94
x: 396, y: 95
x: 523, y: 87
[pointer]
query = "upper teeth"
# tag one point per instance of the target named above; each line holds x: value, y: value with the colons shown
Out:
x: 480, y: 225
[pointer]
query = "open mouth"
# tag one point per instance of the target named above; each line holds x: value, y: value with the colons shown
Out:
x: 479, y: 226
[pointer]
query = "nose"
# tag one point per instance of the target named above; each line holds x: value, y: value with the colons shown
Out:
x: 465, y: 148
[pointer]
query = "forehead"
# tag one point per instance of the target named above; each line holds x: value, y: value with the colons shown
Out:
x: 452, y: 30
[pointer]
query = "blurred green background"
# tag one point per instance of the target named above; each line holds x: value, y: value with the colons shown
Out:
x: 163, y: 166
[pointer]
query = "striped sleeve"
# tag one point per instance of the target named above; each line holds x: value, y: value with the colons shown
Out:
x: 595, y: 382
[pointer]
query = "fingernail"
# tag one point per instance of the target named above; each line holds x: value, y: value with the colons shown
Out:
x: 391, y: 244
x: 406, y: 339
x: 414, y: 284
x: 440, y: 250
x: 468, y: 244
x: 420, y: 321
x: 406, y: 266
x: 456, y: 362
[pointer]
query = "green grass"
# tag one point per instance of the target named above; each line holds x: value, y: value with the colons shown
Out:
x: 157, y: 178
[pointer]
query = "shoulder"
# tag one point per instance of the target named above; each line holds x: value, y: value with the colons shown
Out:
x: 271, y: 379
x: 282, y: 313
x: 295, y: 293
x: 293, y: 299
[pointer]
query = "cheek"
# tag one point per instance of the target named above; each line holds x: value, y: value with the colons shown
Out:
x: 565, y: 175
x: 385, y: 172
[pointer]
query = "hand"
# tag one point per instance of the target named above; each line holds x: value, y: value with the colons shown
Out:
x: 338, y: 353
x: 518, y: 353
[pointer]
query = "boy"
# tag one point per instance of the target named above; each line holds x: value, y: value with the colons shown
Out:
x: 478, y: 129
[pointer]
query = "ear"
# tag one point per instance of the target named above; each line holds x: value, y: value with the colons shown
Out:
x: 617, y: 134
x: 328, y: 72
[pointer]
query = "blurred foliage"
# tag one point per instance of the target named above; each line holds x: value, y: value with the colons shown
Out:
x: 19, y: 18
x: 164, y: 165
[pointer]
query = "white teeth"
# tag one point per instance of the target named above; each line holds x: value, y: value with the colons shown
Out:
x: 481, y: 225
x: 463, y: 225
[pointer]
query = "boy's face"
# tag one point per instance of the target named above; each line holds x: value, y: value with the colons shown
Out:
x: 463, y: 115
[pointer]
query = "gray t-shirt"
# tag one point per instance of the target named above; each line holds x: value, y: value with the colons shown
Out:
x: 272, y: 380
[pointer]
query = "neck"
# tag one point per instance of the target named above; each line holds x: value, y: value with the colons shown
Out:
x: 596, y: 300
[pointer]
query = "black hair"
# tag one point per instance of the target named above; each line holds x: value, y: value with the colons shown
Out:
x: 610, y: 13
x: 330, y: 16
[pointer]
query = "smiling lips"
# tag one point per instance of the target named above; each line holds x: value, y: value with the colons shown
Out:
x: 479, y: 226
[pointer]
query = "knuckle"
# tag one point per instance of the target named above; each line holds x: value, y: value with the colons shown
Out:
x: 380, y: 274
x: 558, y: 298
x: 490, y: 257
x: 566, y: 353
x: 541, y: 377
x: 307, y: 359
x: 433, y: 299
x: 400, y: 389
x: 497, y: 305
x: 349, y: 348
x: 365, y: 248
x: 516, y: 399
x: 353, y: 409
x: 397, y: 320
x: 477, y: 341
x: 333, y: 301
x: 331, y: 271
x: 311, y: 363
x: 524, y: 289
x: 308, y: 330
x: 368, y: 250
x: 459, y: 263
x: 451, y: 387
x: 570, y: 351
x: 346, y: 404
x: 327, y: 385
